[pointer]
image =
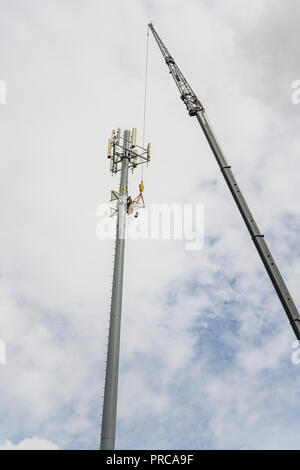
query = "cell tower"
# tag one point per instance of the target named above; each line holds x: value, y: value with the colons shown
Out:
x: 124, y: 154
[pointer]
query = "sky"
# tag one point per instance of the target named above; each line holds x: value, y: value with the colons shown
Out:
x: 205, y: 345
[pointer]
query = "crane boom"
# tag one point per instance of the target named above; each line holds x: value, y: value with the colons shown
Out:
x: 186, y: 93
x: 195, y: 108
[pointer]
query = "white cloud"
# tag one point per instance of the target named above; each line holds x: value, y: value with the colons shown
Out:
x: 33, y: 443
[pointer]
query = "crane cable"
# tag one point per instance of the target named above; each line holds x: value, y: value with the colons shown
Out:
x: 145, y: 98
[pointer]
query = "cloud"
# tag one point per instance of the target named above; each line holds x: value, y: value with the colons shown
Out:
x: 33, y: 443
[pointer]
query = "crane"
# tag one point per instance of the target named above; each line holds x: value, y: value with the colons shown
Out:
x: 196, y: 109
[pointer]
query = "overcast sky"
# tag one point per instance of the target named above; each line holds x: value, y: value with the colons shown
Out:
x: 206, y: 347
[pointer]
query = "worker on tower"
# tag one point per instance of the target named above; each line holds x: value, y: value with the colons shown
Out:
x: 136, y: 203
x: 129, y: 205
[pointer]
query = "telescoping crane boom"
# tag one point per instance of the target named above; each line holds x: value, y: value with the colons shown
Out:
x: 195, y: 108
